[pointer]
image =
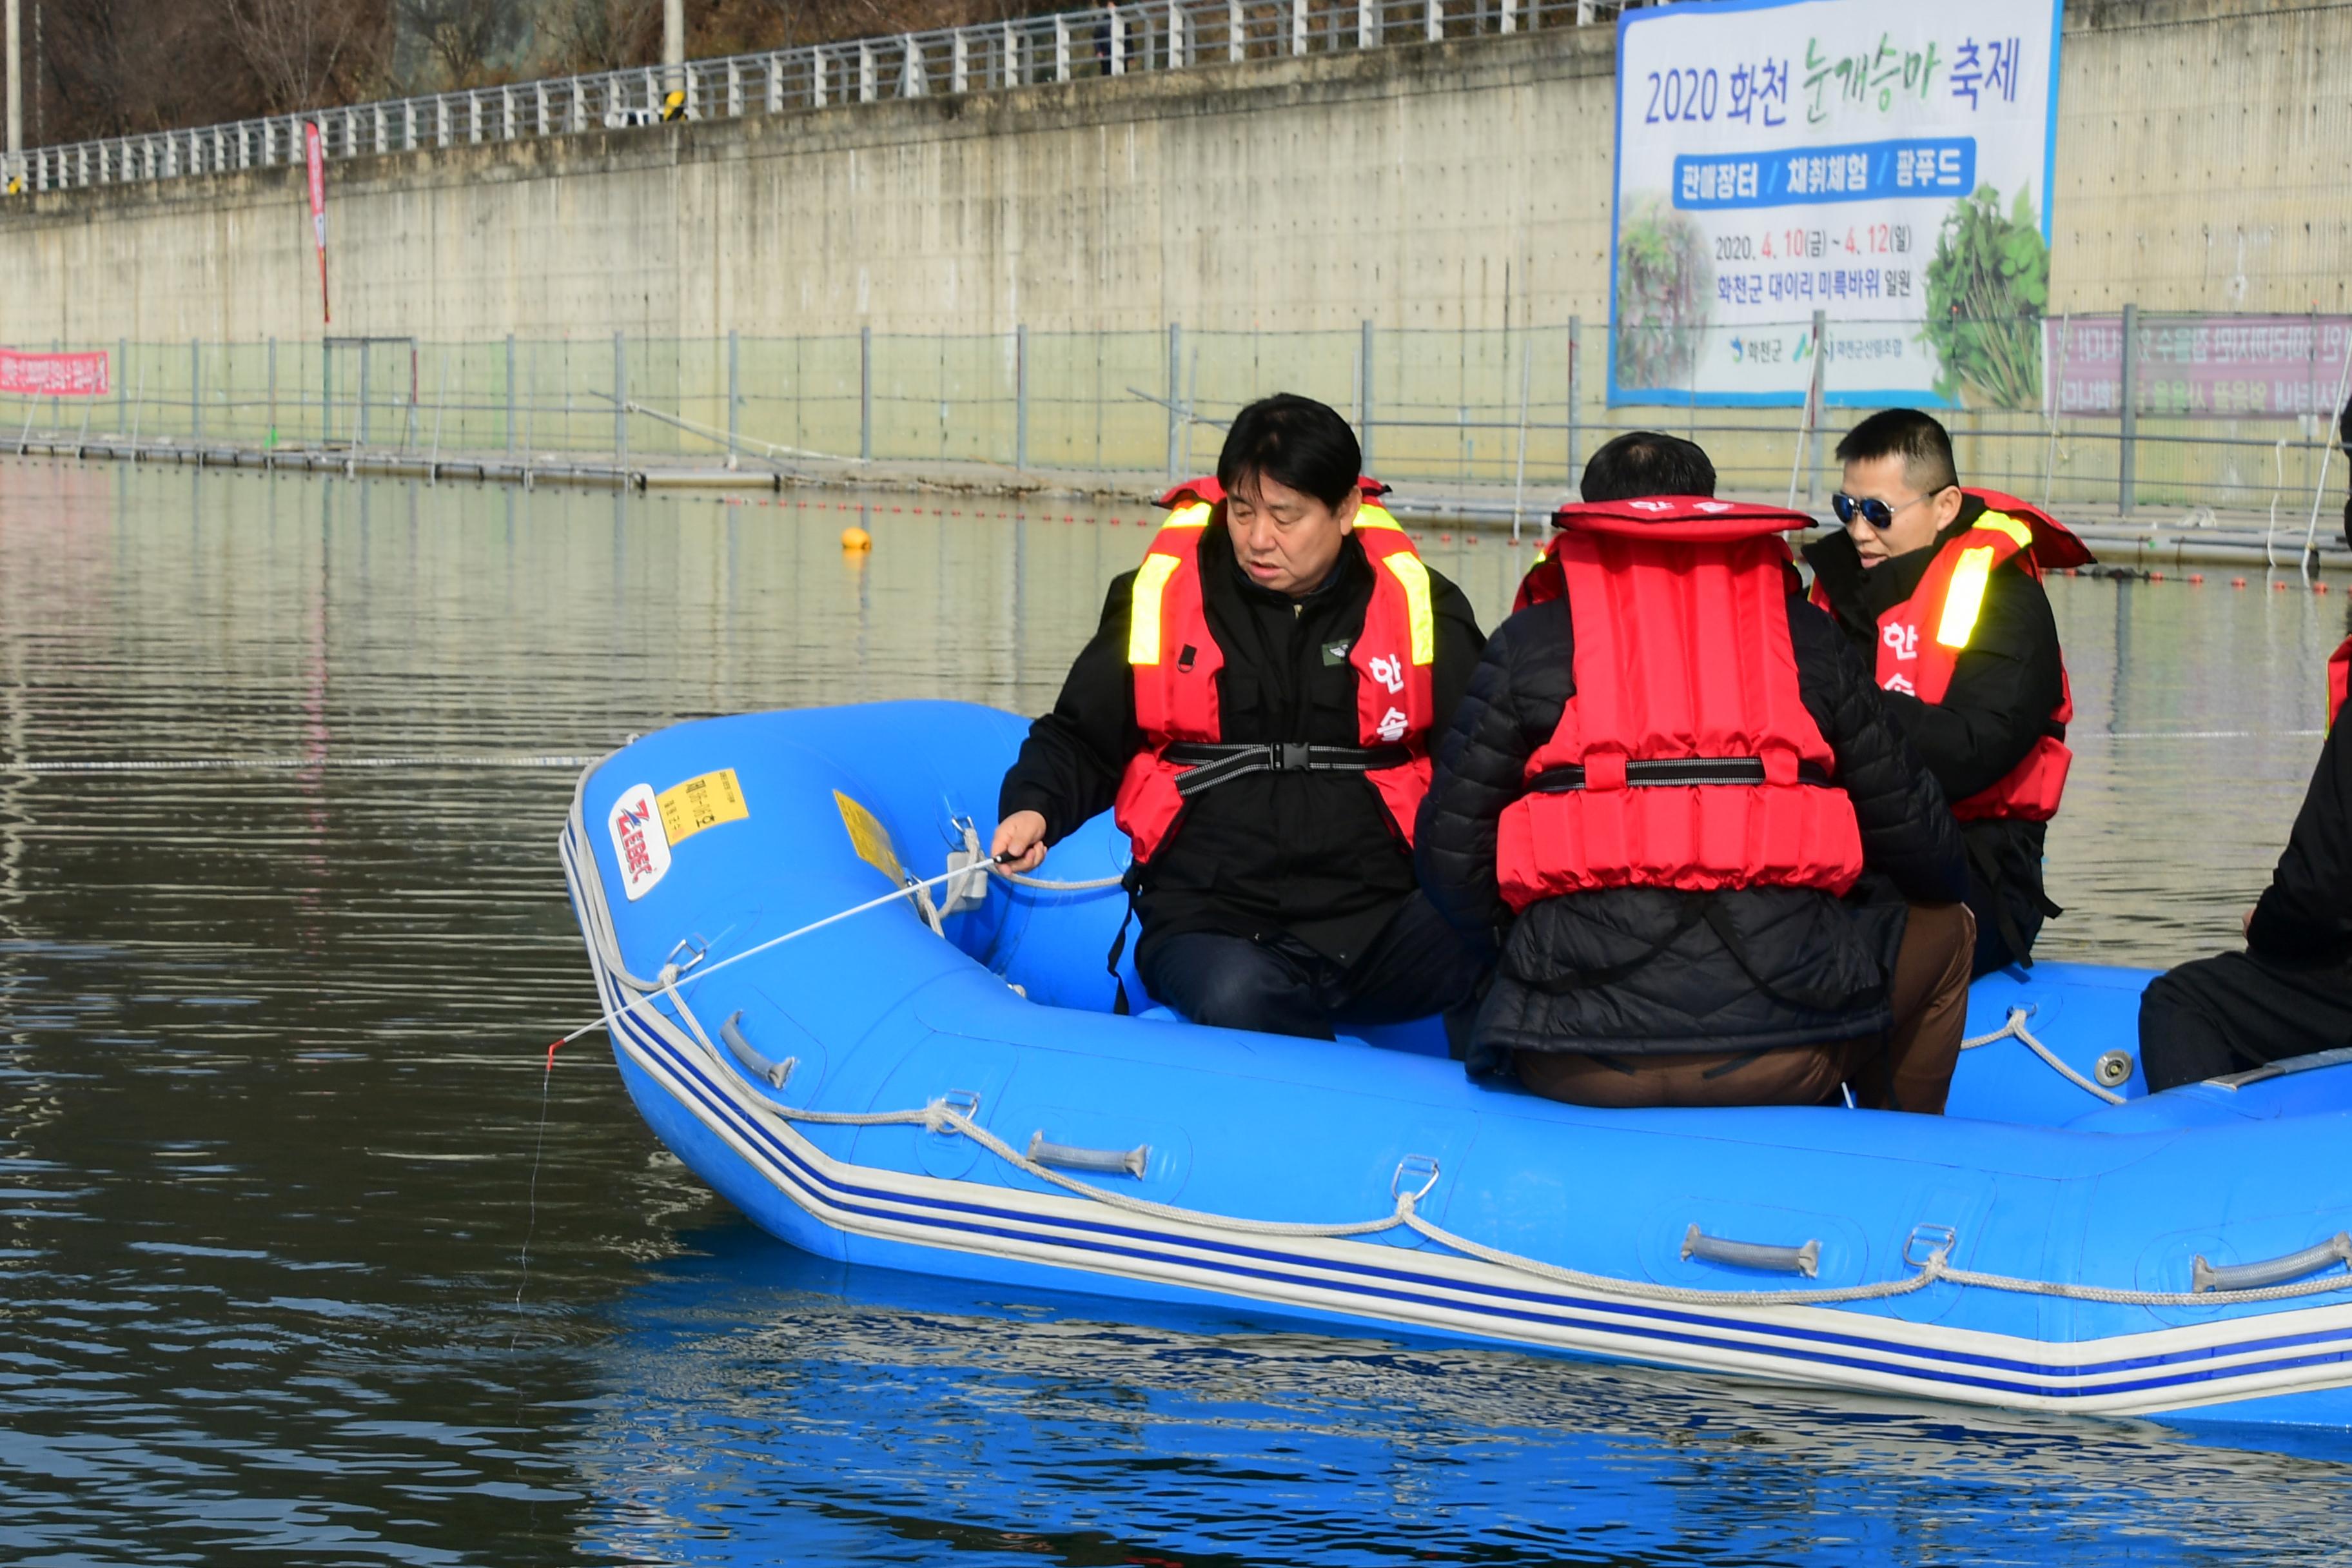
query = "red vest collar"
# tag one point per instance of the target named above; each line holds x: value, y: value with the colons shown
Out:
x: 2055, y: 546
x: 1695, y: 520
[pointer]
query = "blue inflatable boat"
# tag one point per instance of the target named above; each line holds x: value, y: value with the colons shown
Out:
x: 938, y: 1083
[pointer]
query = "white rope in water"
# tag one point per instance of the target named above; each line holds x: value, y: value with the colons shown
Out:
x: 2015, y: 1029
x: 281, y: 765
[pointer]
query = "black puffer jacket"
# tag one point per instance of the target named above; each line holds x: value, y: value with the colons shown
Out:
x: 2305, y: 918
x: 1648, y: 969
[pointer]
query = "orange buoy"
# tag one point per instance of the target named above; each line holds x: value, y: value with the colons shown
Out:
x: 2237, y: 582
x: 2196, y: 576
x: 855, y: 540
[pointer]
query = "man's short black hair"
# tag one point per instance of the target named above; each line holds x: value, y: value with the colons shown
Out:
x: 1919, y: 439
x: 1294, y: 441
x: 1647, y: 463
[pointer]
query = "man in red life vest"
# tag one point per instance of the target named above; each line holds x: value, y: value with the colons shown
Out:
x: 1719, y: 874
x: 1256, y: 704
x: 2289, y: 993
x: 1942, y: 587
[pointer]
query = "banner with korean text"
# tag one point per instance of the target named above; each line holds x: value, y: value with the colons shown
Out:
x: 53, y: 375
x: 1887, y: 165
x: 2241, y: 367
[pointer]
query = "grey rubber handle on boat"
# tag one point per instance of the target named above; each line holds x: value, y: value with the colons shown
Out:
x: 1805, y: 1261
x: 1070, y: 1157
x: 774, y: 1074
x: 2274, y: 1270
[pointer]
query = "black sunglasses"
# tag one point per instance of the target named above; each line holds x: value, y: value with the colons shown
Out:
x: 1875, y: 512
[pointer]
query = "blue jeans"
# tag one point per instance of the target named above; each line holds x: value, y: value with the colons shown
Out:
x: 1416, y: 966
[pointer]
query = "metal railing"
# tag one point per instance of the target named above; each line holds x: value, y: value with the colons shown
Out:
x: 1138, y: 37
x: 1454, y: 411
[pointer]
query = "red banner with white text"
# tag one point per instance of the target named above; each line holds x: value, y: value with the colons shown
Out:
x: 314, y: 150
x: 53, y: 375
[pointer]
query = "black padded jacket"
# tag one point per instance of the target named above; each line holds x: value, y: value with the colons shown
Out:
x: 1632, y: 971
x: 2305, y: 918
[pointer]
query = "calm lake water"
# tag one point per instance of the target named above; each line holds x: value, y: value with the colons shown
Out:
x: 275, y: 1125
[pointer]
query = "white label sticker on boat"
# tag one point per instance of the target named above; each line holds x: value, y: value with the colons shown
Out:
x: 639, y: 844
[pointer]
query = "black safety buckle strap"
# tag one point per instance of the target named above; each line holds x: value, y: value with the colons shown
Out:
x: 1120, y: 1005
x: 1208, y: 764
x: 1654, y: 772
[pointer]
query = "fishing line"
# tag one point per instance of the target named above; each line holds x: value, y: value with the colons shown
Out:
x: 531, y: 1225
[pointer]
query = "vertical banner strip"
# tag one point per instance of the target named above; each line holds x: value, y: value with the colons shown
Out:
x: 315, y: 151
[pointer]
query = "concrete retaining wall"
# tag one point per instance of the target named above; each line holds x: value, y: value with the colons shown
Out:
x: 1462, y: 185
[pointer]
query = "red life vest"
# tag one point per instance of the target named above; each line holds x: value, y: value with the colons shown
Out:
x: 1686, y: 758
x: 2339, y: 679
x: 1174, y: 659
x: 1921, y: 639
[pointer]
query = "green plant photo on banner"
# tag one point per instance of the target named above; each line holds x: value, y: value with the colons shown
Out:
x: 1987, y: 289
x: 1665, y: 281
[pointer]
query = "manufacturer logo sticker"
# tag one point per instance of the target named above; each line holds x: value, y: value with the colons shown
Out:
x: 639, y: 843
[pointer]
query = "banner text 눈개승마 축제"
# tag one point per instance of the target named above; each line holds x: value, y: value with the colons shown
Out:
x: 54, y: 376
x: 1886, y: 166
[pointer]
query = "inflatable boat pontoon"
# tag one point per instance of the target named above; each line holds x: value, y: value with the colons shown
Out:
x: 939, y: 1083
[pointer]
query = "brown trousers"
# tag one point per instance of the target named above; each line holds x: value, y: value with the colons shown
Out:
x: 1909, y: 1067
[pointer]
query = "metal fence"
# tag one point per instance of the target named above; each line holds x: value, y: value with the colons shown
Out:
x: 1141, y: 36
x: 1457, y: 410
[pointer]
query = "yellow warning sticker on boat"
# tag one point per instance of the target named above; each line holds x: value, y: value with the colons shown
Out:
x: 869, y: 837
x: 699, y: 803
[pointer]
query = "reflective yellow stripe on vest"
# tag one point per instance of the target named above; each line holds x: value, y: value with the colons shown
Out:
x: 1414, y: 578
x: 1151, y: 586
x: 1143, y: 612
x: 2002, y: 522
x: 1965, y: 596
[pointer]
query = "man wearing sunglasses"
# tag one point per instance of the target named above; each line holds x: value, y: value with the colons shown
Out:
x: 1943, y: 586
